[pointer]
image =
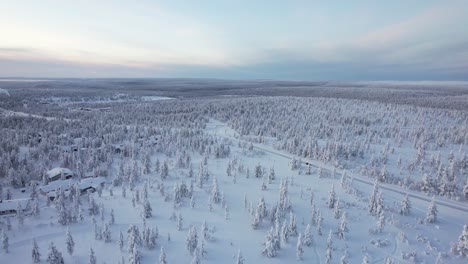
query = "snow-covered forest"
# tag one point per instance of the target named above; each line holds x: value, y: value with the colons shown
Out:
x: 211, y: 171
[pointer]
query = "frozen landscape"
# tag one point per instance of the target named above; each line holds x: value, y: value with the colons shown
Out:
x: 218, y: 171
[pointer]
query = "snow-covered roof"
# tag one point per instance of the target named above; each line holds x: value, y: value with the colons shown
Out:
x: 13, y: 204
x: 56, y: 171
x: 91, y: 182
x: 65, y: 184
x: 55, y: 185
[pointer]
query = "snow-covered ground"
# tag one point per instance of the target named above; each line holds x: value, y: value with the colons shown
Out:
x: 401, y: 234
x: 228, y: 150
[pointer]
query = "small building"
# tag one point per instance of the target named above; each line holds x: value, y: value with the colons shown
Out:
x: 55, y: 185
x: 91, y: 184
x: 51, y: 190
x: 9, y: 207
x: 56, y: 174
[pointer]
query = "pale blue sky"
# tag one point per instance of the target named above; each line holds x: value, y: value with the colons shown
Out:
x: 310, y: 40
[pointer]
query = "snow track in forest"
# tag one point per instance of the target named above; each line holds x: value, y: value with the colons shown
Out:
x: 439, y: 200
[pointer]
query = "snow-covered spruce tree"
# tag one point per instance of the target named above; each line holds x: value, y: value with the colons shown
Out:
x: 261, y: 208
x: 157, y: 165
x: 93, y: 208
x: 263, y: 187
x: 35, y: 210
x: 70, y: 242
x: 284, y: 234
x: 162, y: 256
x: 8, y: 195
x: 135, y: 255
x: 192, y: 240
x: 365, y: 260
x: 97, y: 232
x: 35, y: 254
x: 405, y: 206
x: 9, y: 223
x: 271, y: 175
x: 462, y: 244
x: 229, y: 169
x: 381, y: 222
x: 179, y: 222
x: 439, y: 259
x: 195, y: 259
x: 63, y: 214
x: 112, y: 217
x: 308, y: 236
x: 270, y: 249
x: 5, y: 243
x: 54, y: 256
x: 92, y: 257
x: 145, y: 190
x: 239, y: 258
x: 164, y: 171
x: 331, y: 197
x: 328, y: 255
x: 201, y: 248
x: 210, y: 203
x: 292, y: 228
x: 34, y: 192
x: 121, y: 240
x: 337, y: 210
x: 320, y: 171
x: 152, y: 238
x: 124, y: 191
x: 431, y: 216
x: 380, y: 204
x: 258, y: 171
x: 190, y: 172
x: 147, y: 210
x: 319, y: 222
x: 204, y: 231
x: 20, y: 215
x: 343, y: 180
x: 373, y: 200
x: 343, y: 227
x: 256, y: 220
x: 388, y: 260
x: 215, y: 195
x: 226, y: 212
x: 133, y: 237
x: 137, y: 196
x: 192, y: 201
x: 313, y: 214
x: 223, y: 200
x: 106, y: 233
x: 299, y: 249
x: 283, y: 192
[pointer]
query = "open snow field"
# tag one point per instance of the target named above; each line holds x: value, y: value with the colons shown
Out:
x: 258, y: 170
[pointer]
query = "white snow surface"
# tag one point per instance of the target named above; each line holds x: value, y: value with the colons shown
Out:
x: 5, y: 92
x: 402, y: 234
